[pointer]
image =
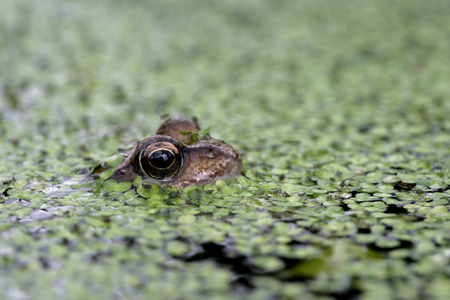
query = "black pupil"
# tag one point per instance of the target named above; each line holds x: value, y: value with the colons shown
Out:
x: 161, y: 159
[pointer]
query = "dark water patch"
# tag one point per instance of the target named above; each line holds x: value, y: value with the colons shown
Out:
x: 402, y: 244
x: 395, y: 209
x: 222, y: 255
x: 403, y: 186
x: 245, y: 272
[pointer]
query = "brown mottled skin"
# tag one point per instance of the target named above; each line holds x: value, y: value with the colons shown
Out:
x: 205, y: 160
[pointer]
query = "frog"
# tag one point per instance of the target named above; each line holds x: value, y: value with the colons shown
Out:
x: 177, y: 156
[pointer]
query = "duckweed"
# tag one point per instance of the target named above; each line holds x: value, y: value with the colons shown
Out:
x: 339, y: 110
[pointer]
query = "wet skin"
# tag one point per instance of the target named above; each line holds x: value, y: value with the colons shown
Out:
x: 172, y: 159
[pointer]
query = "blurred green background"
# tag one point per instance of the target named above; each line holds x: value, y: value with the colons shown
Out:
x: 339, y: 109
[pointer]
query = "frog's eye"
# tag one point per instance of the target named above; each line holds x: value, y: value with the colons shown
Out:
x: 158, y: 157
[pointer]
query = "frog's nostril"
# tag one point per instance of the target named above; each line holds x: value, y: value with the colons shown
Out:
x: 210, y: 152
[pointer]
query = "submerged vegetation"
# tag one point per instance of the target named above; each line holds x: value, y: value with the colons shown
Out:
x: 339, y: 110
